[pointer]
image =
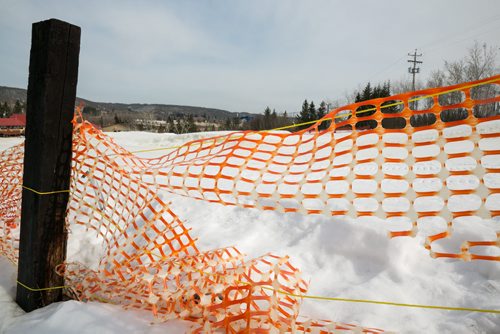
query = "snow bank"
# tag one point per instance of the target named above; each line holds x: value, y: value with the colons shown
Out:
x: 341, y: 258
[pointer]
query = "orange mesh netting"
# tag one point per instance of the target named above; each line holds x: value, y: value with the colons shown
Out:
x: 11, y: 172
x: 426, y: 162
x: 152, y: 262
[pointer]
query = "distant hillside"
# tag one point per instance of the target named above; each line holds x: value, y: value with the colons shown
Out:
x: 10, y: 94
x: 159, y: 111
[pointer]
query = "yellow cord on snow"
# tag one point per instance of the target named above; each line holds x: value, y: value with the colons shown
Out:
x: 368, y: 301
x: 364, y: 301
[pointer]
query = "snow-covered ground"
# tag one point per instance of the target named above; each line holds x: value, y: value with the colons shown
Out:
x: 348, y: 259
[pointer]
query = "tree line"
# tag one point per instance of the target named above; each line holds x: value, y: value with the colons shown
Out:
x: 141, y: 121
x: 478, y: 63
x: 269, y: 120
x: 7, y: 110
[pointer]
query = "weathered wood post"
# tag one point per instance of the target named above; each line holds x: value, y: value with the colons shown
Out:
x: 53, y: 74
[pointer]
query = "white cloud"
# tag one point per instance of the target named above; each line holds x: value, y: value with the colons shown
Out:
x: 143, y: 34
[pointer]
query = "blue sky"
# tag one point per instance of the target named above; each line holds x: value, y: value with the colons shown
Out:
x: 246, y: 55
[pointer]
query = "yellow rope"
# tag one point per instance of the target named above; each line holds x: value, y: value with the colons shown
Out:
x: 365, y: 301
x: 41, y: 289
x: 368, y: 301
x: 46, y: 192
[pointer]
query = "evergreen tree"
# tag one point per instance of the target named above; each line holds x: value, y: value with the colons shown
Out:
x: 5, y: 110
x: 267, y: 119
x: 322, y: 109
x: 274, y: 119
x: 366, y: 94
x: 8, y: 110
x: 304, y: 115
x: 369, y: 93
x: 312, y: 113
x: 18, y: 108
x: 358, y: 97
x: 321, y: 113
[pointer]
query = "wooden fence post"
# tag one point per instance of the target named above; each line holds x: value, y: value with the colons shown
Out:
x: 53, y: 74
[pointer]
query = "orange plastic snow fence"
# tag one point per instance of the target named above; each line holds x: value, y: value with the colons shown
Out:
x: 422, y: 163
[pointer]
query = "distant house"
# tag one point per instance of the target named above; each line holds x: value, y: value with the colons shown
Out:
x: 13, y: 125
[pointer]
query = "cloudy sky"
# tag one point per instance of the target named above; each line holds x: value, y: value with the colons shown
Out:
x: 246, y: 55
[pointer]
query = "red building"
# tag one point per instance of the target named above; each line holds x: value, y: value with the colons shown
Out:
x: 13, y: 126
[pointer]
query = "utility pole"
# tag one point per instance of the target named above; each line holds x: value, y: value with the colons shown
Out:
x: 414, y: 70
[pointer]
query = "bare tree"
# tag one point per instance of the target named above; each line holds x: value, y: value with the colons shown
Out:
x: 456, y: 71
x: 437, y: 79
x: 480, y: 62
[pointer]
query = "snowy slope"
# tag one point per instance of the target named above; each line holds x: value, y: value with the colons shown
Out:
x: 340, y: 258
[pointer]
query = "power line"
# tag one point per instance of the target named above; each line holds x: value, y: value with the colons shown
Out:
x: 453, y: 42
x: 385, y: 68
x: 468, y: 30
x: 414, y: 70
